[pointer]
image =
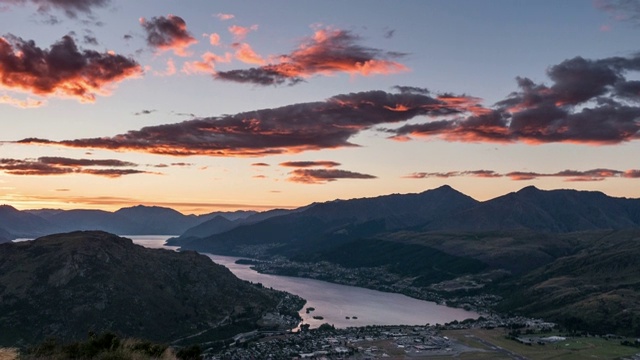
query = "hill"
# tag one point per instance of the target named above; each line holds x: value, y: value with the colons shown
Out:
x: 596, y: 288
x: 65, y: 285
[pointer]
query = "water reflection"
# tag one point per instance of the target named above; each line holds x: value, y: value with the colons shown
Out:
x: 334, y: 303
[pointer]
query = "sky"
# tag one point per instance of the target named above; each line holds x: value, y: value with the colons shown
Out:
x: 217, y: 106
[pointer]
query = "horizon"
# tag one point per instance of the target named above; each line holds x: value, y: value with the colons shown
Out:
x: 166, y: 206
x: 221, y: 107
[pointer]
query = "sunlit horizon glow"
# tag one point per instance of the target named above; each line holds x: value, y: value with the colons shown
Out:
x: 219, y: 107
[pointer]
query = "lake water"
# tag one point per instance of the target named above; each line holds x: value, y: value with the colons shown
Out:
x: 335, y: 302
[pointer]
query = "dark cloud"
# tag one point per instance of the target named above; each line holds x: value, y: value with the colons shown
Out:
x: 144, y: 112
x: 567, y: 175
x: 307, y: 164
x: 389, y: 33
x: 321, y: 176
x: 168, y: 33
x: 589, y: 101
x: 63, y: 70
x: 61, y: 166
x: 260, y: 164
x: 90, y: 40
x: 67, y: 162
x: 287, y: 129
x: 445, y: 175
x: 70, y: 7
x: 113, y: 173
x: 329, y: 51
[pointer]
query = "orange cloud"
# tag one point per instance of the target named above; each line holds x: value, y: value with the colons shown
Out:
x: 322, y: 176
x: 214, y: 39
x: 169, y: 71
x: 61, y: 166
x: 567, y: 175
x: 327, y: 52
x: 63, y: 70
x: 240, y: 32
x: 207, y: 65
x: 288, y: 129
x: 168, y: 33
x: 247, y: 55
x: 306, y: 164
x: 24, y: 104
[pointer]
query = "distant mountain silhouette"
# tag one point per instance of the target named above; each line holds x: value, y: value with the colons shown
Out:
x: 73, y: 220
x: 137, y: 220
x: 322, y: 223
x: 155, y: 220
x: 222, y: 223
x: 19, y: 224
x: 553, y: 211
x: 66, y: 285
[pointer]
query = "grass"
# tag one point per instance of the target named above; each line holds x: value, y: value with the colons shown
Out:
x: 8, y: 354
x: 570, y: 349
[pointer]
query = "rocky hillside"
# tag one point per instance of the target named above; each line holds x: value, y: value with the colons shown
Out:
x: 66, y: 285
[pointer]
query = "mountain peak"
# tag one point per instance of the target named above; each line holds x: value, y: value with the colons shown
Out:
x: 529, y: 189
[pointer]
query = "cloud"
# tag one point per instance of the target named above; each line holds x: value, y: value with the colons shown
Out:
x: 169, y: 70
x: 328, y: 52
x: 24, y: 104
x: 247, y: 55
x: 240, y: 32
x: 306, y: 164
x: 144, y: 112
x: 70, y: 7
x: 224, y: 17
x: 177, y: 164
x: 214, y: 39
x: 589, y: 101
x: 567, y: 175
x: 260, y: 164
x: 62, y: 70
x: 168, y: 33
x: 207, y: 65
x: 288, y: 129
x: 61, y: 166
x: 620, y: 10
x: 321, y: 176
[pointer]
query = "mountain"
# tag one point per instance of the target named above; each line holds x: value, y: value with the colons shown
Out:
x: 155, y: 220
x: 554, y: 211
x: 18, y: 224
x: 229, y: 215
x: 72, y: 220
x: 210, y: 227
x: 5, y: 236
x: 319, y: 225
x: 224, y: 222
x: 65, y: 285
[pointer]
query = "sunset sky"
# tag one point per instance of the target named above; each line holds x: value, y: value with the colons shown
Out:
x: 223, y: 105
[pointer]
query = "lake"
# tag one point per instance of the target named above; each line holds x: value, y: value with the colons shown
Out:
x: 335, y: 302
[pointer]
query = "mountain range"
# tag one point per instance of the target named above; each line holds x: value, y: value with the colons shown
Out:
x: 136, y: 220
x: 322, y: 225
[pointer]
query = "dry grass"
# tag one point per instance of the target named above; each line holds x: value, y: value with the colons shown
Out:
x: 8, y: 354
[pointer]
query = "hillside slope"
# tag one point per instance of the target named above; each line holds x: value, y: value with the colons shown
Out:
x: 68, y: 284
